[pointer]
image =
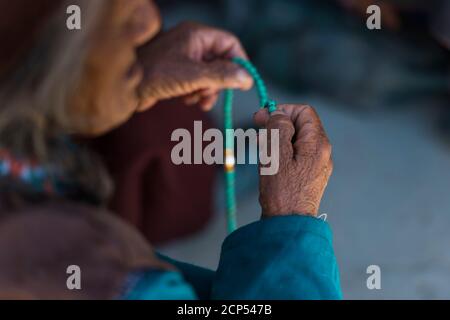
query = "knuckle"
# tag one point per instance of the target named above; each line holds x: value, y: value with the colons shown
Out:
x: 233, y: 38
x: 307, y: 109
x: 227, y: 35
x: 330, y: 166
x: 326, y: 149
x: 309, y: 112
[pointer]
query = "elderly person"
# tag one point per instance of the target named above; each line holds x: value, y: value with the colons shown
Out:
x: 57, y: 83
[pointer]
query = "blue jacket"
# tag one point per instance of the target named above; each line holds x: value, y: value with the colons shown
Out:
x: 289, y: 257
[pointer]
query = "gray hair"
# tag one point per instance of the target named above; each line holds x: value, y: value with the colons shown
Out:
x: 34, y: 100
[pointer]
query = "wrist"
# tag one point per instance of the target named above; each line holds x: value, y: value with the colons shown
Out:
x: 306, y: 208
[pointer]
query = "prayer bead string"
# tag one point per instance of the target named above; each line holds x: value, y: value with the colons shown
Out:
x: 230, y: 162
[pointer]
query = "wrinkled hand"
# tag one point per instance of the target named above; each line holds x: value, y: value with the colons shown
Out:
x: 191, y: 61
x: 305, y: 162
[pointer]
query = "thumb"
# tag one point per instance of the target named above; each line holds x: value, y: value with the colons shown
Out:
x: 261, y: 117
x: 226, y: 74
x: 283, y: 123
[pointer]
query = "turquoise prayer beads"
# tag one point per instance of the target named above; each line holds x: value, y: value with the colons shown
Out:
x: 230, y: 162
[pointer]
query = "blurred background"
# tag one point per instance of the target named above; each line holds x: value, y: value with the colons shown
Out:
x: 383, y: 96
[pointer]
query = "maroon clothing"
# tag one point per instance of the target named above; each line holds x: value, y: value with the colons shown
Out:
x: 161, y: 199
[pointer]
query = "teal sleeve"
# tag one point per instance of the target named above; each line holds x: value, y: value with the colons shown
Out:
x: 199, y: 278
x: 157, y: 285
x: 288, y: 257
